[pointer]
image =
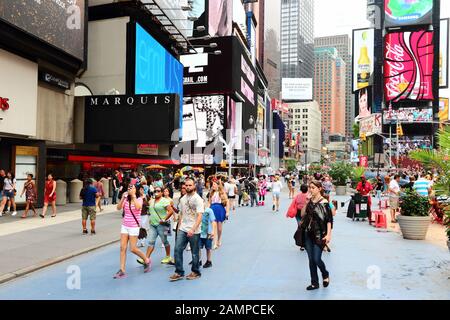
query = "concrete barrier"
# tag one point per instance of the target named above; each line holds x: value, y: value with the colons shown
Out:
x: 61, y: 193
x: 75, y: 188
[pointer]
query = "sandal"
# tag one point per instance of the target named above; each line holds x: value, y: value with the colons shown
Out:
x: 326, y: 283
x: 42, y: 216
x: 23, y: 217
x: 53, y: 215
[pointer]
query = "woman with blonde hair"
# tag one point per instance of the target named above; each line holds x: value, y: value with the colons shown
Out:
x: 218, y: 202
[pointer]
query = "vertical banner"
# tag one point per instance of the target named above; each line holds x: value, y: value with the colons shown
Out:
x: 189, y: 123
x: 443, y: 53
x: 363, y: 58
x: 408, y: 66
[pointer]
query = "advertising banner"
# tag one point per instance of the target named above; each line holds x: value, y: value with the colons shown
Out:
x: 59, y: 23
x: 231, y: 71
x: 443, y: 53
x: 363, y: 103
x: 408, y: 115
x: 371, y: 125
x: 156, y: 70
x: 239, y: 16
x: 234, y: 123
x: 147, y: 149
x: 296, y: 88
x: 159, y: 112
x: 220, y: 18
x: 444, y: 112
x: 364, y: 161
x: 209, y: 118
x: 189, y: 125
x: 363, y: 58
x: 408, y: 12
x: 408, y: 66
x: 280, y: 106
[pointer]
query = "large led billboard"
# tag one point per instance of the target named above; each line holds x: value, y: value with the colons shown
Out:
x: 156, y: 70
x: 363, y: 58
x: 59, y: 23
x: 296, y: 88
x: 408, y: 115
x: 408, y: 12
x: 408, y: 66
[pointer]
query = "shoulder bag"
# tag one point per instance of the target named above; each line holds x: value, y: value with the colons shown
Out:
x: 165, y: 223
x: 142, y: 231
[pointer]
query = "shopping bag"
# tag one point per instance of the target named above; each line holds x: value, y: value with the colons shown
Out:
x: 292, y: 211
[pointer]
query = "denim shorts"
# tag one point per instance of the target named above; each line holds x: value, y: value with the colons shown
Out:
x: 276, y: 194
x: 8, y: 194
x: 154, y: 232
x: 206, y: 243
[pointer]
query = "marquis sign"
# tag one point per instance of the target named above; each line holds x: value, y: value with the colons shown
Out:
x: 112, y: 119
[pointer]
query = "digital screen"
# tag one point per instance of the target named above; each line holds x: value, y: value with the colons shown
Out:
x: 408, y: 66
x: 59, y: 23
x: 408, y: 12
x: 157, y: 71
x: 408, y: 115
x: 220, y: 18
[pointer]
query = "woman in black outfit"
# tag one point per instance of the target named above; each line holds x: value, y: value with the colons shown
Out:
x: 316, y: 225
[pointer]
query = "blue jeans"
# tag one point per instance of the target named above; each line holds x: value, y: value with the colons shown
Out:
x: 315, y: 260
x: 180, y: 245
x: 253, y: 198
x: 154, y: 232
x: 114, y: 197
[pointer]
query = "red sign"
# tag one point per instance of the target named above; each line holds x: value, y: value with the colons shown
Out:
x: 364, y: 161
x: 408, y: 66
x: 280, y: 106
x: 4, y: 105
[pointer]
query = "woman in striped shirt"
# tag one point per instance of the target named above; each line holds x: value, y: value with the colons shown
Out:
x: 131, y: 203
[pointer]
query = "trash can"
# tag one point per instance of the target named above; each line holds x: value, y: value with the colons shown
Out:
x: 61, y: 193
x: 361, y: 206
x: 75, y: 188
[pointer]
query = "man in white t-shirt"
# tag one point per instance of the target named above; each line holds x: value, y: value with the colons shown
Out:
x: 191, y: 208
x: 394, y: 195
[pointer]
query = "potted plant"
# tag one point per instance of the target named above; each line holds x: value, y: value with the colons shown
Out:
x: 357, y: 172
x: 440, y: 160
x: 340, y: 172
x: 414, y: 218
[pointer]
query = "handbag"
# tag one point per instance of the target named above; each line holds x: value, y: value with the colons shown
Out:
x: 166, y: 224
x: 292, y: 211
x: 142, y: 231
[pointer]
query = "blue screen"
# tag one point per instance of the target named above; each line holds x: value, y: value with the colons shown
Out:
x: 157, y: 71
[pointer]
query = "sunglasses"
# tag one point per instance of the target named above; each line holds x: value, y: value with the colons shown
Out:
x: 157, y: 191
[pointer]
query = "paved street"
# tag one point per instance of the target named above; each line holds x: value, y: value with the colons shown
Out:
x: 258, y: 260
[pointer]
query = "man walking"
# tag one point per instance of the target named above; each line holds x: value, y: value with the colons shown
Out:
x: 253, y: 189
x: 422, y: 186
x: 116, y: 186
x: 88, y: 194
x: 191, y: 210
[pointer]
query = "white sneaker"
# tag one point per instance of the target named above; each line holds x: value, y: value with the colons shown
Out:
x: 14, y: 213
x: 1, y: 214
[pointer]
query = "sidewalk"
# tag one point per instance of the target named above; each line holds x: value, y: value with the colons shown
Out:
x: 33, y: 243
x: 436, y: 233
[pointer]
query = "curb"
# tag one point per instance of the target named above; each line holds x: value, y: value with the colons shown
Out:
x: 21, y: 272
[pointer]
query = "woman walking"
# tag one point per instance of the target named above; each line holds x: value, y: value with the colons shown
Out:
x: 144, y: 215
x: 276, y: 191
x: 9, y: 192
x: 29, y: 188
x: 292, y: 187
x: 100, y: 195
x: 131, y: 203
x: 49, y: 196
x: 218, y: 202
x: 316, y: 233
x: 160, y: 210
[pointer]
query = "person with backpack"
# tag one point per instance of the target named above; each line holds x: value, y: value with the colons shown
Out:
x: 298, y: 203
x: 253, y: 190
x: 89, y: 195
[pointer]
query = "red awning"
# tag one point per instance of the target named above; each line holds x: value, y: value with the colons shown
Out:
x: 78, y: 158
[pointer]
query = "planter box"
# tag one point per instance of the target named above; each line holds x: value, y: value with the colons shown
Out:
x: 341, y: 190
x: 414, y: 228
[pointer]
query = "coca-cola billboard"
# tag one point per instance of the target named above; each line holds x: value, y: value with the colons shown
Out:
x: 408, y: 66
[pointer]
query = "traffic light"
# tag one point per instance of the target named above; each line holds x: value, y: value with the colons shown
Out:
x: 399, y: 130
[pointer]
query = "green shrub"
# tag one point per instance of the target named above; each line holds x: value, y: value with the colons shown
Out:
x: 340, y: 172
x: 414, y: 205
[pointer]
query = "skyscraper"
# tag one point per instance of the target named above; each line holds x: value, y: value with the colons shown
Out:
x: 297, y: 38
x: 329, y: 89
x: 342, y: 44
